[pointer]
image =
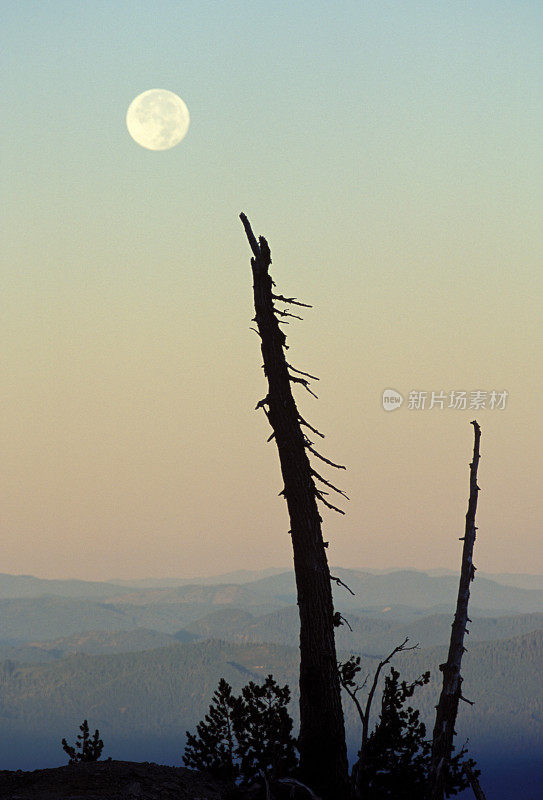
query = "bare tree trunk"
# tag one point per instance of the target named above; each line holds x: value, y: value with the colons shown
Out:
x: 323, y: 755
x: 451, y: 693
x: 475, y: 785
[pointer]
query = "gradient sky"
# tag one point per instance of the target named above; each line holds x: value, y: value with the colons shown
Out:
x: 391, y: 152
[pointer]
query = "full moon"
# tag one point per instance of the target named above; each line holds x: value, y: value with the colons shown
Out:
x: 157, y: 119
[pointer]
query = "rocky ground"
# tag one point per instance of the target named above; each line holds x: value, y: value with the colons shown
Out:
x: 110, y: 780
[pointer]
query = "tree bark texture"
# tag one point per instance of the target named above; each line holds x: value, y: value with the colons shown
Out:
x: 451, y: 693
x: 323, y: 756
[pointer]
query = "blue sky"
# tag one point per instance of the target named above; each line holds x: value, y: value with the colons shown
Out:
x: 390, y: 152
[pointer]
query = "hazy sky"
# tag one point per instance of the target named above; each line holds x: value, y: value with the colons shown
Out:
x: 392, y: 154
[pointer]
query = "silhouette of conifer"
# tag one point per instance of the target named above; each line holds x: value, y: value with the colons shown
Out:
x: 89, y: 749
x: 242, y: 738
x: 212, y: 748
x: 396, y: 760
x: 263, y: 729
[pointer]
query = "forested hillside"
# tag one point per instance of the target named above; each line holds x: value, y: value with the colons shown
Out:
x: 369, y: 634
x: 144, y: 702
x: 92, y: 642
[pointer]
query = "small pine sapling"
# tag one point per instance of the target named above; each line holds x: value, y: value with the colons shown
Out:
x: 212, y: 748
x: 86, y: 748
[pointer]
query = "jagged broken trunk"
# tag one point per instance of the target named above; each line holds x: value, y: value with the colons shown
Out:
x: 323, y: 757
x: 451, y: 693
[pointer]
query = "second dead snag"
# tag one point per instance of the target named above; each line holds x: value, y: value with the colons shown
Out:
x: 323, y: 755
x: 451, y: 693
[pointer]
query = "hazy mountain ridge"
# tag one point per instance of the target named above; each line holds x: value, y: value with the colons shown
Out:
x: 93, y: 643
x: 406, y: 596
x: 217, y: 595
x: 518, y: 580
x: 19, y: 586
x: 46, y: 618
x: 239, y: 576
x: 523, y: 580
x: 368, y: 634
x: 409, y: 588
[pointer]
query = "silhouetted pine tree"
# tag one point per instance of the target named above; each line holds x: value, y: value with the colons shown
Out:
x: 213, y: 746
x: 396, y: 759
x: 244, y: 737
x: 89, y: 749
x: 263, y: 729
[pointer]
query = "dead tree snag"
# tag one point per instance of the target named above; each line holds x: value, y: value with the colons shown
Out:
x: 323, y: 756
x: 451, y: 693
